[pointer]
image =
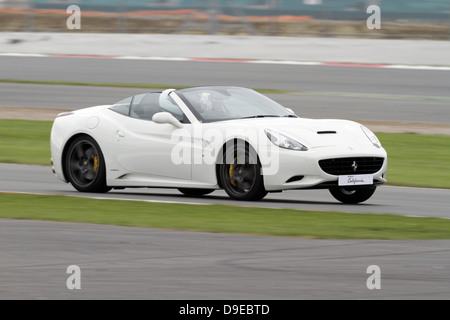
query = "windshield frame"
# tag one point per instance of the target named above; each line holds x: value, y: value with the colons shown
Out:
x: 278, y: 109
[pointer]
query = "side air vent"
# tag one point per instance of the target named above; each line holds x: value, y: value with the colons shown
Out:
x: 295, y: 178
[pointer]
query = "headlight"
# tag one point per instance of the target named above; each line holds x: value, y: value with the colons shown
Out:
x: 284, y: 142
x: 371, y: 136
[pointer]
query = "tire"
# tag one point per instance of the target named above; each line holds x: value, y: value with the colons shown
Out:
x: 195, y: 192
x: 347, y: 195
x: 85, y: 166
x: 242, y: 181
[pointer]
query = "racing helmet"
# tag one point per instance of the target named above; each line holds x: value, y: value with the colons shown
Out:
x: 206, y: 101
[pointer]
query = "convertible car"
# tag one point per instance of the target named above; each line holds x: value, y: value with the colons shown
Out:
x: 202, y: 139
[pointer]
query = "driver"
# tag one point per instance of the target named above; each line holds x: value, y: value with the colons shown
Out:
x: 208, y: 104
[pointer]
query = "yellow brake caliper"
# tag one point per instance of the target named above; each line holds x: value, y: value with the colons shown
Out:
x: 231, y: 171
x: 95, y: 163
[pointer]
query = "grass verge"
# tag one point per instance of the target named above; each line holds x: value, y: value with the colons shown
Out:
x: 25, y: 141
x: 417, y: 160
x: 223, y: 219
x: 413, y: 160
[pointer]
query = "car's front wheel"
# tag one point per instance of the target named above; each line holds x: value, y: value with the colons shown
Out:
x: 85, y: 166
x: 356, y: 195
x: 242, y: 180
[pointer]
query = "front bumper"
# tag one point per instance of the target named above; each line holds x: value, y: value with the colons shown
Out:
x: 301, y: 170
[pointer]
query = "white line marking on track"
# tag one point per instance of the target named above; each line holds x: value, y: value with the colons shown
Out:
x: 105, y: 198
x: 262, y: 61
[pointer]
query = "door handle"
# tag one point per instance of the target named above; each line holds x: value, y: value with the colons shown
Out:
x: 120, y: 134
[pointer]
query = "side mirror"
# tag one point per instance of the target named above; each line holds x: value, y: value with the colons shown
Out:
x: 165, y: 117
x: 291, y: 111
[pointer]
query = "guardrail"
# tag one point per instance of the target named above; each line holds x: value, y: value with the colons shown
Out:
x: 399, y: 18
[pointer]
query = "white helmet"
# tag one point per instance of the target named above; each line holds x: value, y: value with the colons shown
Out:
x: 206, y: 102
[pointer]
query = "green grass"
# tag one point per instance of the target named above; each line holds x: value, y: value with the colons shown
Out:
x: 24, y: 141
x: 413, y: 160
x: 417, y: 160
x: 222, y: 219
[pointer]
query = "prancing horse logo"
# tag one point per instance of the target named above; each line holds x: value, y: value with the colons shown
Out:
x: 354, y: 166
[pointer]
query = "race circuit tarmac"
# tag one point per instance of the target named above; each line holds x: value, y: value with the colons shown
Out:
x: 418, y: 202
x: 150, y: 264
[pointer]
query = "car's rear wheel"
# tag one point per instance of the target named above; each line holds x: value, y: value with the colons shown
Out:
x: 242, y: 180
x: 195, y: 192
x: 356, y: 195
x: 85, y: 166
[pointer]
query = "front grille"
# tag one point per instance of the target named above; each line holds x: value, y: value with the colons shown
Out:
x: 352, y: 165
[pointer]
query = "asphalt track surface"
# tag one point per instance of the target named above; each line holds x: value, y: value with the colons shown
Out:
x: 417, y: 202
x: 137, y: 263
x: 356, y: 93
x: 305, y: 104
x: 261, y: 76
x: 134, y: 263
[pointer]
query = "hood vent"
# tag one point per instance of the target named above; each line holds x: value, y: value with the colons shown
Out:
x: 326, y: 132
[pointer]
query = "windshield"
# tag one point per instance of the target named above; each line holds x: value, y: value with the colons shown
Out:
x: 211, y: 104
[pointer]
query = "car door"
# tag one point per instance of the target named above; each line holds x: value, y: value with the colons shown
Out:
x: 148, y: 148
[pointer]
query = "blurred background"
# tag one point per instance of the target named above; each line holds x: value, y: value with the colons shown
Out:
x: 401, y: 19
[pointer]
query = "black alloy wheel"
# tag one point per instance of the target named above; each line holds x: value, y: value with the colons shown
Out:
x: 242, y: 180
x: 85, y: 166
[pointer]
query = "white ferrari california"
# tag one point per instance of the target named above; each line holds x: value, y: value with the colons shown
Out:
x: 201, y: 139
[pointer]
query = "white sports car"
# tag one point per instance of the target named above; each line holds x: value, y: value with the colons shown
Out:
x: 202, y: 139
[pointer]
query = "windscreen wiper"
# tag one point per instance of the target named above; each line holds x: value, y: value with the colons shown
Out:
x: 261, y: 116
